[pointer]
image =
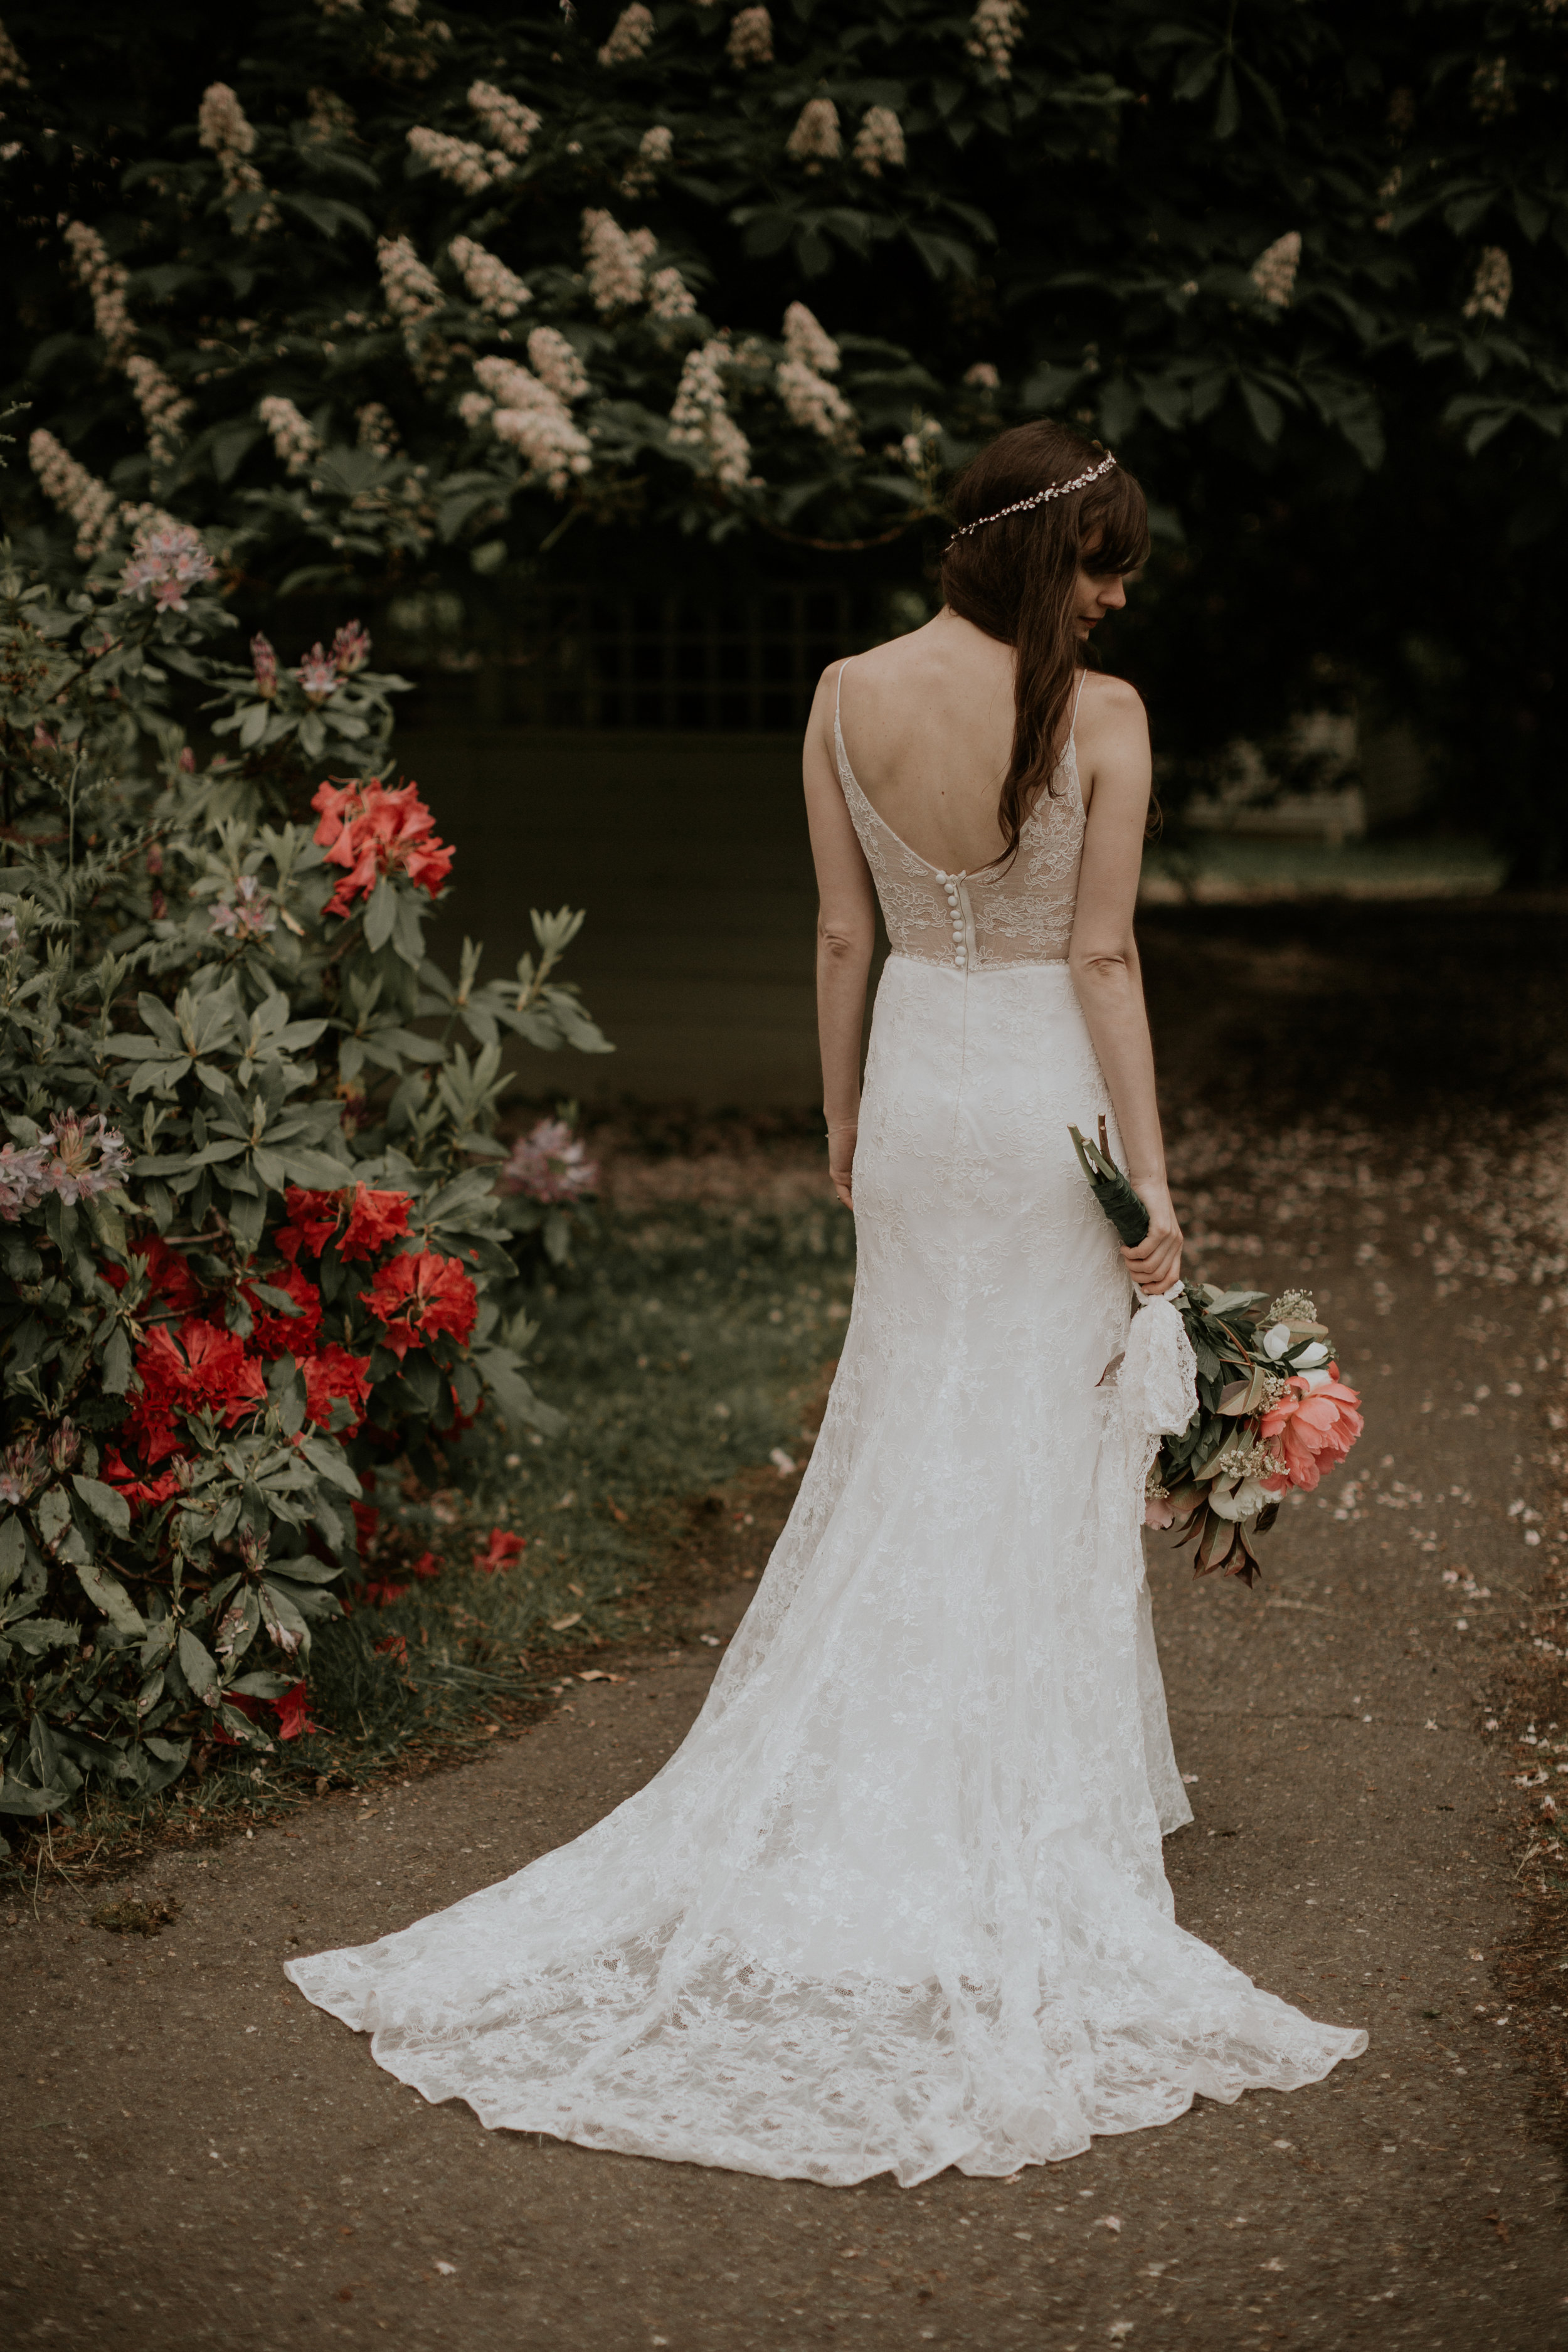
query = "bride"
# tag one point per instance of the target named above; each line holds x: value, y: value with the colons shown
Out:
x: 898, y: 1901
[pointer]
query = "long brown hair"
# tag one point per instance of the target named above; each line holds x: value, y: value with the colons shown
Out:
x: 1016, y: 577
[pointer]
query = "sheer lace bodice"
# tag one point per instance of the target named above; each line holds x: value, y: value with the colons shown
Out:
x: 1021, y: 913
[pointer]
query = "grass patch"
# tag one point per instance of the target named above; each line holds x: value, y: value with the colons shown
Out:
x: 685, y: 1346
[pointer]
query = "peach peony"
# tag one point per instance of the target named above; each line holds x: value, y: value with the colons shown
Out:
x: 1314, y: 1425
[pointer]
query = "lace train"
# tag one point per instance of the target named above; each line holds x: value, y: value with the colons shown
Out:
x: 898, y: 1901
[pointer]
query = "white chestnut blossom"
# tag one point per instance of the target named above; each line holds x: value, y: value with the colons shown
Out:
x: 556, y: 365
x: 655, y: 149
x: 631, y: 37
x: 105, y: 281
x: 13, y: 72
x: 814, y: 139
x: 505, y: 118
x: 328, y: 116
x: 377, y: 430
x: 1274, y: 271
x: 473, y: 408
x: 996, y: 30
x: 533, y: 420
x: 983, y: 377
x: 412, y: 291
x: 670, y: 297
x: 413, y: 294
x: 463, y: 161
x: 615, y: 261
x: 293, y: 436
x: 814, y: 402
x: 90, y: 504
x: 223, y: 129
x: 1493, y: 288
x: 806, y: 339
x: 880, y: 141
x: 750, y: 41
x: 493, y: 285
x: 163, y: 406
x: 700, y: 419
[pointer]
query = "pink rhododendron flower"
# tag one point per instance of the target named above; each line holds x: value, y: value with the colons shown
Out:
x: 1313, y: 1426
x: 88, y: 1155
x: 1157, y: 1512
x: 550, y: 1165
x: 318, y: 676
x: 247, y: 913
x: 264, y: 662
x: 24, y: 1178
x: 351, y: 649
x: 166, y: 560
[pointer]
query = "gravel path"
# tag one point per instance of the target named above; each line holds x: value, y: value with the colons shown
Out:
x: 196, y: 2157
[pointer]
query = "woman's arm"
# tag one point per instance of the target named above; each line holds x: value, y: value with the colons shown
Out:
x: 1114, y: 748
x: 846, y: 934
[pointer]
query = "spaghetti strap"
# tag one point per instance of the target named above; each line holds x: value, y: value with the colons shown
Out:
x: 839, y: 686
x: 1077, y: 698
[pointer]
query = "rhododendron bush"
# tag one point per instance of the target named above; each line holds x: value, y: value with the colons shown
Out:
x: 253, y: 1257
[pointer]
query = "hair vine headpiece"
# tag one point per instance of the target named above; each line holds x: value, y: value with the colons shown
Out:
x: 1040, y: 499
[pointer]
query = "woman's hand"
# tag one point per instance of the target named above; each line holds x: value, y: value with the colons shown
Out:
x: 1156, y: 1262
x: 841, y: 1159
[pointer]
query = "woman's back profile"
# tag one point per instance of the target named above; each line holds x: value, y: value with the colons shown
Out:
x: 898, y: 1903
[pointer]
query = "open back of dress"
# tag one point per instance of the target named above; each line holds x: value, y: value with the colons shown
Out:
x: 898, y: 1901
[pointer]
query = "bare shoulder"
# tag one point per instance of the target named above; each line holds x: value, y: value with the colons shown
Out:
x: 1111, y: 702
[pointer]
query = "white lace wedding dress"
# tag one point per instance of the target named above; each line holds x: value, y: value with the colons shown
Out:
x: 898, y: 1901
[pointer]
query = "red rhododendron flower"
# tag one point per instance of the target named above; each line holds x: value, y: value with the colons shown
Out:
x: 427, y: 1565
x: 168, y: 1277
x: 330, y: 1374
x: 375, y: 1219
x: 294, y: 1713
x: 380, y: 1591
x: 419, y: 1294
x: 202, y: 1367
x: 312, y: 1221
x: 139, y: 1492
x: 374, y: 829
x: 245, y: 1705
x: 1314, y: 1425
x: 278, y: 1334
x: 394, y: 1645
x: 500, y: 1552
x: 367, y: 1519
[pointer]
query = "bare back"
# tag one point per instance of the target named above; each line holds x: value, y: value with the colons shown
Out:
x: 928, y: 725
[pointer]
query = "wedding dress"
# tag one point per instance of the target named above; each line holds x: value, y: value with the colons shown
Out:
x: 898, y: 1901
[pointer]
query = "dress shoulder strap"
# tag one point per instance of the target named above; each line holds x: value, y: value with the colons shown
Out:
x: 1077, y: 698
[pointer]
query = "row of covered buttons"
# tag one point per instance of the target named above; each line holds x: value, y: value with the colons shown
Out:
x: 960, y: 954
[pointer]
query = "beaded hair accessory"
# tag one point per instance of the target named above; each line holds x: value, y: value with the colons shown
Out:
x: 1040, y: 499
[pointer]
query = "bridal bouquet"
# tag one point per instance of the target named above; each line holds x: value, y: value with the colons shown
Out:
x: 1272, y: 1413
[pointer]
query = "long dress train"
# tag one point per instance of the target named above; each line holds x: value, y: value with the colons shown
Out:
x: 898, y: 1901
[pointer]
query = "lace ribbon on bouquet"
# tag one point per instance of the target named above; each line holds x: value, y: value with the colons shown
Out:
x: 1157, y: 1381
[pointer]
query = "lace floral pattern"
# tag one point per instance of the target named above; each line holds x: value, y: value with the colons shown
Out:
x: 898, y: 1901
x: 1022, y: 913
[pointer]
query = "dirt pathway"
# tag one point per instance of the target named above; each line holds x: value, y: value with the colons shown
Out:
x: 197, y: 2157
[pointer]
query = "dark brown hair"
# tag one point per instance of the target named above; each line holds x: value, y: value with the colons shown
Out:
x: 1014, y: 579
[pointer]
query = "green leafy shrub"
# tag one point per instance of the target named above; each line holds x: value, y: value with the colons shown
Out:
x: 254, y: 1259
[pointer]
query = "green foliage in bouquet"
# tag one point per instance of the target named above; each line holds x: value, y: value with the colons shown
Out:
x: 1112, y: 1189
x: 1273, y: 1416
x: 252, y: 1256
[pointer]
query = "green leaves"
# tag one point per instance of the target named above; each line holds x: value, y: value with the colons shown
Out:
x: 184, y: 1375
